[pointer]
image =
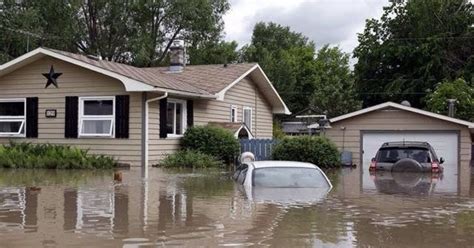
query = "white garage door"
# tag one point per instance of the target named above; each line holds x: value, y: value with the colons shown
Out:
x: 444, y: 144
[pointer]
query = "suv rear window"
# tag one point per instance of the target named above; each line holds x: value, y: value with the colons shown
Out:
x: 393, y: 154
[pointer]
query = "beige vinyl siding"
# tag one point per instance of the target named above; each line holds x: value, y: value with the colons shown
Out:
x: 158, y: 148
x: 28, y: 81
x: 392, y: 120
x: 243, y: 94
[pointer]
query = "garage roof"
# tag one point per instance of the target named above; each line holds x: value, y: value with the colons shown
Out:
x: 402, y: 107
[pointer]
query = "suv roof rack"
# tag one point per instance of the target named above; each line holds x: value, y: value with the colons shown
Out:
x: 406, y: 144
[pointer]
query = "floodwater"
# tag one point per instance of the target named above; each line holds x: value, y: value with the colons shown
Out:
x: 45, y: 208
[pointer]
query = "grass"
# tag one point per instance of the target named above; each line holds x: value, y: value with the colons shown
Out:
x: 48, y: 156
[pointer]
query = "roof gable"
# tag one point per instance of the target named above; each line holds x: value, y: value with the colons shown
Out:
x: 405, y: 108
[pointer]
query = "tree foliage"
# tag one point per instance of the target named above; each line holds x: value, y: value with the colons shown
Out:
x: 458, y: 89
x: 335, y: 91
x: 412, y: 47
x: 212, y: 52
x: 301, y: 75
x: 139, y: 32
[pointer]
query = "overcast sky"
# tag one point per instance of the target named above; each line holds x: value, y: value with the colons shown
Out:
x: 336, y: 22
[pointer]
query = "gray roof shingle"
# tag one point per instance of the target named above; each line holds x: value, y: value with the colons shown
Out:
x: 197, y: 79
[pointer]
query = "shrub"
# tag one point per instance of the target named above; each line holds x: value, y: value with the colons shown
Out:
x: 47, y: 156
x: 189, y: 159
x: 212, y: 140
x: 313, y: 149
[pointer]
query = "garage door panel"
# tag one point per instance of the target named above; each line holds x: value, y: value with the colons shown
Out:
x: 445, y: 144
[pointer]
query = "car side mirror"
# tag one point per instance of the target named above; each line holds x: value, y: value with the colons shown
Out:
x: 441, y: 160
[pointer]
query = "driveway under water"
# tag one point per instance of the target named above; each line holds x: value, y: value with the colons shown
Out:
x: 205, y: 208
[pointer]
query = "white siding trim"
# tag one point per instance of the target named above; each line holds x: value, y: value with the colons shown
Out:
x: 15, y: 118
x: 234, y: 117
x: 83, y: 117
x: 282, y: 109
x: 251, y: 116
x: 130, y: 84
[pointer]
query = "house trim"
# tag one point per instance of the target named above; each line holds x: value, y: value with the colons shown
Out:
x: 13, y: 118
x: 470, y: 125
x: 236, y: 134
x: 251, y: 116
x: 282, y: 109
x: 81, y: 117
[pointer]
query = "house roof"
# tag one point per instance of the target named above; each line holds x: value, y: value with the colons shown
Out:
x: 204, y: 81
x: 406, y: 108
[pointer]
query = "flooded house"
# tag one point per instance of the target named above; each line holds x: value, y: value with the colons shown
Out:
x: 136, y: 115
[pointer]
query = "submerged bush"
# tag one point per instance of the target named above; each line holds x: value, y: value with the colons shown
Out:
x: 190, y: 159
x: 313, y: 149
x: 215, y: 141
x: 48, y: 156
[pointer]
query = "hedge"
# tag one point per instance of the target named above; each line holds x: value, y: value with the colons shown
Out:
x: 215, y: 141
x: 48, y: 156
x: 190, y: 159
x: 313, y: 149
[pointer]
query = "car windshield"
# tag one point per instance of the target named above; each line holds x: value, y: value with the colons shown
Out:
x: 288, y: 177
x: 392, y: 155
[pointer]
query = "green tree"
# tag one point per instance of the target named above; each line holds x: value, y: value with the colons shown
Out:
x: 457, y: 89
x: 412, y: 47
x: 136, y: 32
x: 287, y: 59
x: 213, y: 52
x: 335, y: 92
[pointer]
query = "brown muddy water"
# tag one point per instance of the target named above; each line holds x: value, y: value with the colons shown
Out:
x: 206, y: 209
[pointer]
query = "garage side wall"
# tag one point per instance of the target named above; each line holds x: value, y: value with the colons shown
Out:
x: 399, y: 120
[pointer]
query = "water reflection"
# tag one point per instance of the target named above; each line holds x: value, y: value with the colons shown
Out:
x: 205, y: 208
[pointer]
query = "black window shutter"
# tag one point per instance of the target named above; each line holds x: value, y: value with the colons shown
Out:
x: 190, y: 113
x: 32, y: 117
x: 72, y: 115
x: 163, y: 116
x: 122, y: 109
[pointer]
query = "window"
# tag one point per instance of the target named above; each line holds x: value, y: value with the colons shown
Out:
x: 13, y: 117
x: 233, y: 114
x: 175, y: 117
x: 392, y: 155
x: 248, y: 117
x: 287, y: 177
x: 96, y: 116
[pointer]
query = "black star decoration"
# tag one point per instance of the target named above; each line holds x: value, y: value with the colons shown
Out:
x: 52, y: 77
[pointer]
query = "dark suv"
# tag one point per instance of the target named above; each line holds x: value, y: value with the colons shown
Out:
x: 406, y: 156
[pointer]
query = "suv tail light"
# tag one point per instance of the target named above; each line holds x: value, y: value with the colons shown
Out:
x: 435, y: 167
x: 373, y: 165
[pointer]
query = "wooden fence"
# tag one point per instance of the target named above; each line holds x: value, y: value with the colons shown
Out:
x: 261, y: 148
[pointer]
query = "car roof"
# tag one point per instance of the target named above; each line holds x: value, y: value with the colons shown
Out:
x: 406, y: 144
x: 271, y: 163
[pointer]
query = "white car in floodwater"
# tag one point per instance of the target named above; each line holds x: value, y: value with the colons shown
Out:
x: 284, y: 182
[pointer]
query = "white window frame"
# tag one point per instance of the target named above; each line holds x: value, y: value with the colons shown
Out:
x: 233, y: 118
x: 21, y: 118
x: 251, y: 116
x: 83, y: 117
x: 184, y: 120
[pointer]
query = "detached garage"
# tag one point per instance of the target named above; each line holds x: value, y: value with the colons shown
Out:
x: 364, y: 131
